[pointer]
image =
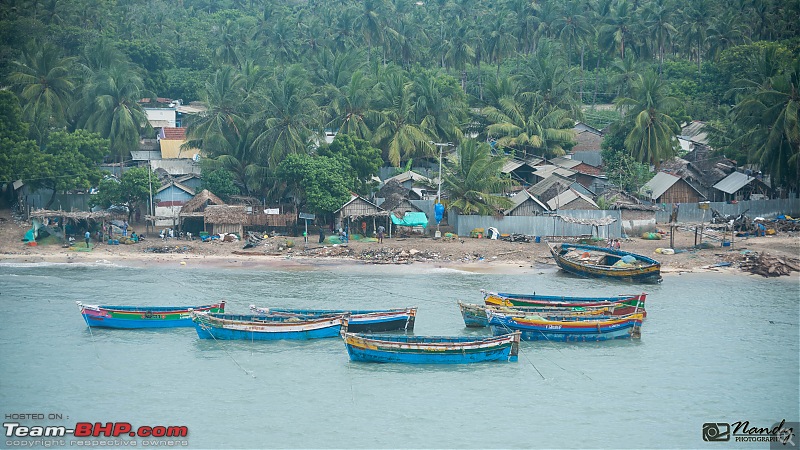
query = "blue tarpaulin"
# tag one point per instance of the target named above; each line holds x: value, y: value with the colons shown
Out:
x: 411, y: 219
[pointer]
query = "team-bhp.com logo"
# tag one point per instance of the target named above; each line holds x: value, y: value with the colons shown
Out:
x: 781, y: 433
x: 97, y: 429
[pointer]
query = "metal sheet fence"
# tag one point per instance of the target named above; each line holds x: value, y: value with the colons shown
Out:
x: 768, y: 209
x: 543, y: 225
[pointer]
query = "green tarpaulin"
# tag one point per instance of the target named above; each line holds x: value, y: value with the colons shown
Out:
x: 411, y: 219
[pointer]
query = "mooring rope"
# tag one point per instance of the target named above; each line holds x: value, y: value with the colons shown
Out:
x: 207, y: 328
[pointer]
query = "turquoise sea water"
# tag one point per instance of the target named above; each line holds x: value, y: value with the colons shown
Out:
x: 714, y: 348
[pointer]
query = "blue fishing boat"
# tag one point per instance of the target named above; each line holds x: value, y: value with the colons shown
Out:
x: 108, y: 316
x: 475, y: 316
x: 255, y: 327
x: 535, y: 328
x: 385, y: 348
x: 598, y: 262
x: 361, y: 320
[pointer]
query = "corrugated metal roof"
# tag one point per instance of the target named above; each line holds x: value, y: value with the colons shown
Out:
x: 733, y: 182
x: 511, y: 165
x: 521, y: 198
x: 658, y: 185
x: 180, y: 186
x: 409, y: 175
x: 565, y: 162
x: 567, y: 197
x: 590, y: 157
x: 547, y: 170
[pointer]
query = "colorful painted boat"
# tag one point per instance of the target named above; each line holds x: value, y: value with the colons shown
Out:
x: 598, y: 262
x: 568, y: 328
x: 256, y: 327
x: 143, y: 316
x: 384, y: 348
x: 475, y: 316
x: 622, y: 304
x: 361, y: 320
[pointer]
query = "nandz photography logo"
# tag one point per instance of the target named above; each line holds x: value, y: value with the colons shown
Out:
x: 779, y: 435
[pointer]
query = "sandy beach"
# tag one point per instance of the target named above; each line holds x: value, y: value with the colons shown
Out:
x: 463, y: 253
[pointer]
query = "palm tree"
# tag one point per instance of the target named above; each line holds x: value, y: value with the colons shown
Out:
x: 370, y: 22
x: 616, y: 32
x: 458, y: 50
x: 113, y: 110
x: 653, y: 137
x: 397, y: 134
x: 771, y: 114
x: 440, y: 107
x: 499, y: 40
x: 527, y: 124
x: 658, y: 16
x: 349, y: 107
x: 44, y: 81
x: 474, y: 180
x: 697, y: 16
x: 290, y: 117
x: 225, y: 117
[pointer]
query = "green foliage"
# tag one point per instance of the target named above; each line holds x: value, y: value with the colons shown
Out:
x: 473, y: 183
x: 221, y: 183
x: 361, y: 159
x: 73, y: 160
x: 625, y: 172
x: 317, y: 183
x: 20, y: 157
x: 131, y: 190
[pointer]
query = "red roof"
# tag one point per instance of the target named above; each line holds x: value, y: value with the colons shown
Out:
x: 178, y: 134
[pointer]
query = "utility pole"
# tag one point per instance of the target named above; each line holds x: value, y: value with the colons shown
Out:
x: 441, y: 145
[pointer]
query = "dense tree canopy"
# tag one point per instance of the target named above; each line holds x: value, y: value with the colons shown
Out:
x: 403, y: 74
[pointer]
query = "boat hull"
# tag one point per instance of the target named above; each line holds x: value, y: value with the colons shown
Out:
x: 578, y: 331
x: 648, y: 273
x: 431, y: 350
x: 133, y: 317
x: 227, y: 327
x: 361, y: 321
x: 475, y: 316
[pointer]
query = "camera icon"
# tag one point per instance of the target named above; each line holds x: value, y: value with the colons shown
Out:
x: 716, y: 432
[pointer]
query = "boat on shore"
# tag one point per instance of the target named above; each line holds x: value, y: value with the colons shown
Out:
x: 361, y: 320
x: 476, y: 316
x: 589, y: 261
x: 385, y: 348
x: 128, y: 316
x: 256, y: 327
x: 622, y: 304
x: 568, y: 329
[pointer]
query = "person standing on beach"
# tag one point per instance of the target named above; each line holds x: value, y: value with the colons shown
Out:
x: 87, y: 236
x: 125, y: 228
x: 321, y: 235
x: 364, y: 228
x: 381, y: 230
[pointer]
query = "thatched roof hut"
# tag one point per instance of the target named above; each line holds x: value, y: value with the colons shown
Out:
x: 192, y: 215
x: 199, y: 203
x: 226, y: 218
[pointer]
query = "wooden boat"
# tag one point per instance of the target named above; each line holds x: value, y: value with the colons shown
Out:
x: 256, y: 327
x: 475, y: 316
x: 622, y: 304
x: 143, y: 316
x: 568, y: 328
x: 385, y: 348
x: 361, y: 320
x: 599, y: 262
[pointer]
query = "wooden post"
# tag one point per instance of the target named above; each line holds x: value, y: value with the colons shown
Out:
x: 672, y: 236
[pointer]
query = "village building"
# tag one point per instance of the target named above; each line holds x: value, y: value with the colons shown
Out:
x: 741, y: 186
x: 667, y: 188
x: 571, y: 199
x: 526, y: 204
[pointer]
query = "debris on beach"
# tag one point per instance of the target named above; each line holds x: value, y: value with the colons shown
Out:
x: 169, y: 249
x: 767, y: 265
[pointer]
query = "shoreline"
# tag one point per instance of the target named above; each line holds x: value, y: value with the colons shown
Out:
x: 417, y: 253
